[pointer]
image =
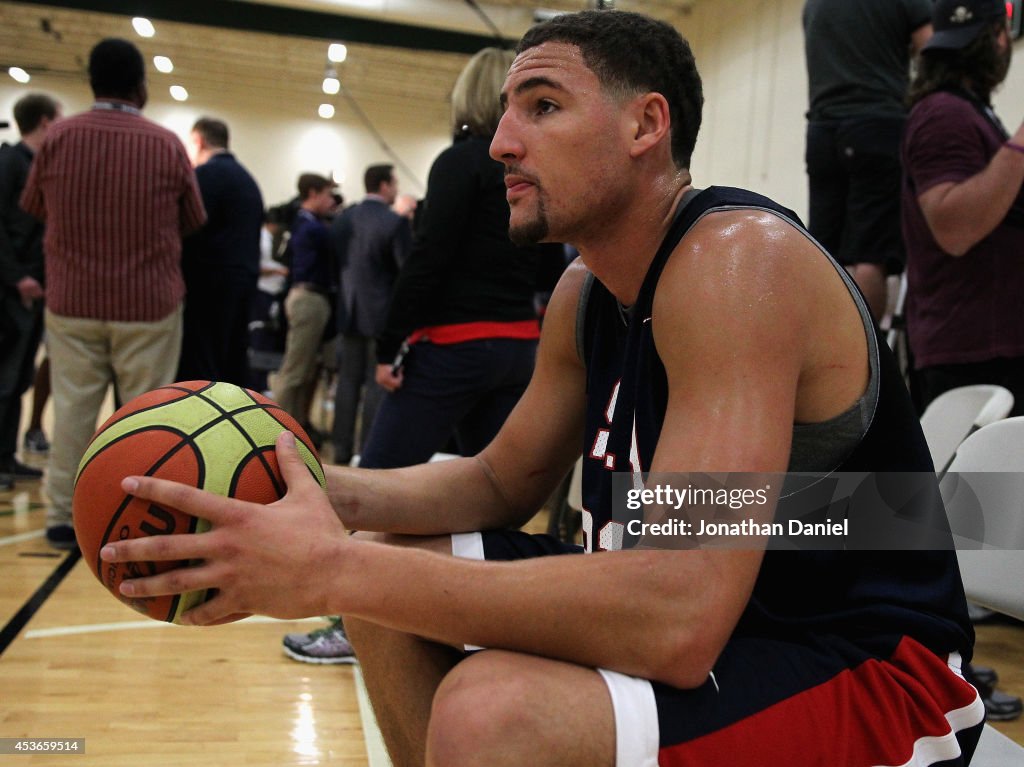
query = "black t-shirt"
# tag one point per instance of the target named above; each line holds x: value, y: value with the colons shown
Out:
x: 858, y: 55
x: 463, y: 267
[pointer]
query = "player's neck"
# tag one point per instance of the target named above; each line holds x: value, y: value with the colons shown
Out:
x: 621, y: 255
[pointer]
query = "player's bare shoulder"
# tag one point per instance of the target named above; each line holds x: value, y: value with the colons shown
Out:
x: 747, y: 279
x: 571, y: 282
x: 559, y: 330
x: 737, y: 261
x: 751, y: 240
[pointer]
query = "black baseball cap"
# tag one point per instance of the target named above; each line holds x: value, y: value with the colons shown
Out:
x: 958, y: 22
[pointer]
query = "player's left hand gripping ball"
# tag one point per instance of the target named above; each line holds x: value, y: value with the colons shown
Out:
x: 215, y: 436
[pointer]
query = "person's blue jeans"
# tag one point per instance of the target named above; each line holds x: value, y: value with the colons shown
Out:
x: 466, y: 389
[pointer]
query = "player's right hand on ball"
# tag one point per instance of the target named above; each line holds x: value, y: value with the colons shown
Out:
x: 275, y: 560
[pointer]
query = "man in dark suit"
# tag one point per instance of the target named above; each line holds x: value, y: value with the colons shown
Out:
x: 370, y: 243
x: 220, y: 262
x: 21, y: 278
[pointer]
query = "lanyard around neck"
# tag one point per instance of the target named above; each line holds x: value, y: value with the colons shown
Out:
x: 117, y: 106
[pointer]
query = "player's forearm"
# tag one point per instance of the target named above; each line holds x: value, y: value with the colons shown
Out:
x: 459, y: 495
x: 640, y: 613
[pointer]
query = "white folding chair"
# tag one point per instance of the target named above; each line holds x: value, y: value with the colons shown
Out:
x: 894, y: 323
x: 957, y: 413
x: 987, y: 474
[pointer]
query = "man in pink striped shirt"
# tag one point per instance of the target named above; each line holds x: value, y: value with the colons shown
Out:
x: 117, y: 193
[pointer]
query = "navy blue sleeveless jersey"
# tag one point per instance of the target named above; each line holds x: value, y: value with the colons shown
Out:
x: 865, y: 596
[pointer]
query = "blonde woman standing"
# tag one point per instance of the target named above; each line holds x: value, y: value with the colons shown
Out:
x: 464, y: 301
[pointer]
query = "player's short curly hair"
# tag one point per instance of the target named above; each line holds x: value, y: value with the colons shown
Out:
x: 633, y: 54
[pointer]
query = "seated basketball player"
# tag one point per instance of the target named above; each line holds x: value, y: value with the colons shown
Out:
x: 714, y: 326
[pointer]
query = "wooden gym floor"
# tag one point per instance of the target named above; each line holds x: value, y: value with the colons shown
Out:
x: 76, y: 663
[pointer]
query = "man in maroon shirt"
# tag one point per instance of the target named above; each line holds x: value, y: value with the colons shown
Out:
x: 963, y: 208
x: 117, y: 193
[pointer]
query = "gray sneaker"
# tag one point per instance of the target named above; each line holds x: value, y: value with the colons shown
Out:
x: 297, y: 640
x: 330, y: 647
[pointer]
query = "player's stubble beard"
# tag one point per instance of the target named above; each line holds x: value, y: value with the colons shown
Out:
x: 536, y: 228
x: 531, y: 232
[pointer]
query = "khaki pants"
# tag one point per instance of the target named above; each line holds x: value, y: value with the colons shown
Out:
x: 86, y: 356
x: 308, y: 313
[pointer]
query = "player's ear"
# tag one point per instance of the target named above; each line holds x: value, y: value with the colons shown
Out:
x: 650, y: 122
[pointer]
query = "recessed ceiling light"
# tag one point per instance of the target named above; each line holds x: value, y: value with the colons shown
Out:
x: 163, y: 64
x: 337, y: 52
x: 143, y: 26
x: 178, y: 93
x: 326, y: 111
x: 19, y: 74
x: 331, y: 85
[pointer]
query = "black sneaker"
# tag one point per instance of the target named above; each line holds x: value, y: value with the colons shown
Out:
x: 1001, y: 707
x: 6, y: 481
x: 61, y: 537
x: 983, y: 675
x: 22, y: 471
x: 36, y: 441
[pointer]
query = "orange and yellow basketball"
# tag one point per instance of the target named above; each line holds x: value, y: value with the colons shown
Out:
x: 215, y: 436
